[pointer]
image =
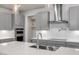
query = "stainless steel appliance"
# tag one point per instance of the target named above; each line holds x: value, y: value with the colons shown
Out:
x: 19, y: 34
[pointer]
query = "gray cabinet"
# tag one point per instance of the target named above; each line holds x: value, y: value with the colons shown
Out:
x: 19, y: 22
x: 42, y: 21
x: 74, y: 18
x: 6, y: 21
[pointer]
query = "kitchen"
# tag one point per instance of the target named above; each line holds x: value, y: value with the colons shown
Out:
x: 39, y: 29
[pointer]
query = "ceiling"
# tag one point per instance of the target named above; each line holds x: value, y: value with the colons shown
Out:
x: 23, y: 7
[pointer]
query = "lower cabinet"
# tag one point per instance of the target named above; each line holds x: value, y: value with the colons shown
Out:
x: 33, y: 40
x: 56, y: 43
x: 50, y: 43
x: 72, y: 45
x: 60, y: 43
x: 42, y: 42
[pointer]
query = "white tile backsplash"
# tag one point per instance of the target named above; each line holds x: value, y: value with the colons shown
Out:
x: 53, y: 34
x: 5, y: 34
x: 71, y: 36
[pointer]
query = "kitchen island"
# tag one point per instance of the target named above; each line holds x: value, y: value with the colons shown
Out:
x: 23, y: 48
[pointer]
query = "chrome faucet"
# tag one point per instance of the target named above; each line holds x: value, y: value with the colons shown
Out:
x: 38, y: 39
x: 38, y: 35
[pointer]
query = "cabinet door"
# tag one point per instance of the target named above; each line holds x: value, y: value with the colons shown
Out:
x: 5, y: 21
x: 38, y: 21
x: 74, y: 18
x: 19, y: 20
x: 42, y: 21
x: 22, y: 18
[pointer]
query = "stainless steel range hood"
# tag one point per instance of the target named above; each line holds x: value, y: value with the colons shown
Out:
x: 58, y: 14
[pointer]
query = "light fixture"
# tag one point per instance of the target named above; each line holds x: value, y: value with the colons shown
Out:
x: 16, y: 7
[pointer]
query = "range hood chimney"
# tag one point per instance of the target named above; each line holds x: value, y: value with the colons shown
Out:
x: 58, y: 14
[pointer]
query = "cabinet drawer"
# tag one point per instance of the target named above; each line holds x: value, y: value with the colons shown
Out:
x: 58, y: 43
x: 42, y: 42
x: 33, y: 40
x: 50, y: 43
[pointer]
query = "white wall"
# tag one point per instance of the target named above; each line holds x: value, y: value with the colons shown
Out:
x: 4, y: 34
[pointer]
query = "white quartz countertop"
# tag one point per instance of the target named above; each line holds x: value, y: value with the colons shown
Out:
x: 22, y: 48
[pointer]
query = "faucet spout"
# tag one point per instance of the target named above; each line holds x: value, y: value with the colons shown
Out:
x: 40, y: 35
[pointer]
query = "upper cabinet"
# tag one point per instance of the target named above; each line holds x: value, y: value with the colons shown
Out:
x: 6, y: 21
x: 74, y: 18
x: 19, y: 22
x: 42, y: 20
